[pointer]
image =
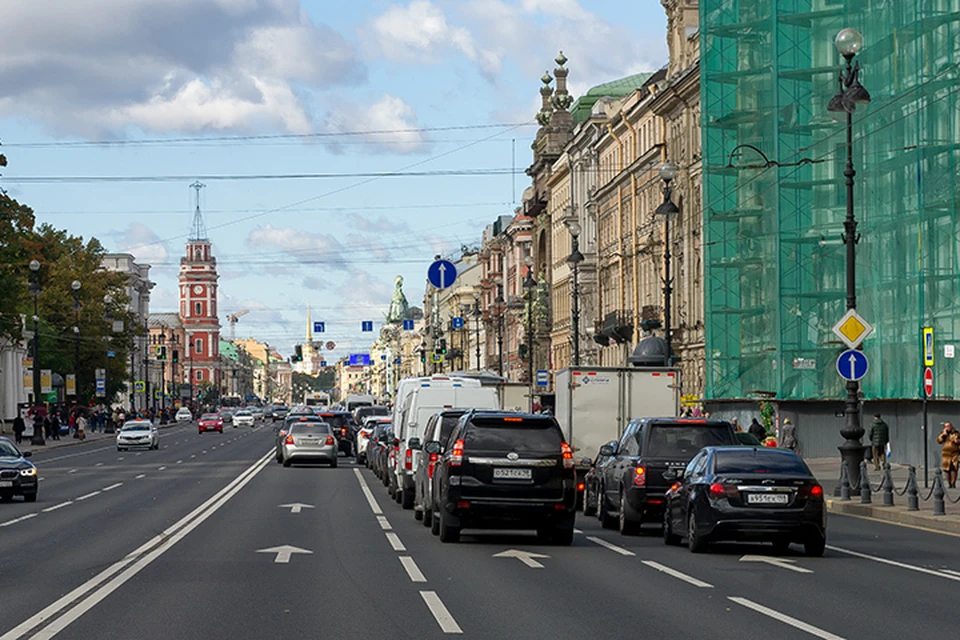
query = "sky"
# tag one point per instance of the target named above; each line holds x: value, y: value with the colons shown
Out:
x: 111, y: 109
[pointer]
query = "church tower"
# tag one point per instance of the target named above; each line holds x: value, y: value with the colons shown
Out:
x: 198, y: 305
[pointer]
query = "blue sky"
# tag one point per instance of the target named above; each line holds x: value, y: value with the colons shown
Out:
x: 171, y: 91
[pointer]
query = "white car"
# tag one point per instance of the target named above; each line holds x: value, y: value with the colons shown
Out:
x: 364, y: 434
x: 184, y: 415
x: 138, y: 433
x: 243, y: 418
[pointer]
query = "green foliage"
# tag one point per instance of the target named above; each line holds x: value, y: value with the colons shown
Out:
x: 768, y: 413
x: 17, y: 246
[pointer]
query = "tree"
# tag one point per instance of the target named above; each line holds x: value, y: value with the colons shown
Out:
x: 16, y: 248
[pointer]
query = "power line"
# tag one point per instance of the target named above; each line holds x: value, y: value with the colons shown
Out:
x: 274, y: 176
x: 341, y: 209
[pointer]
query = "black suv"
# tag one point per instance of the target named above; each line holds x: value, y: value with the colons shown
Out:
x: 344, y: 428
x: 646, y: 462
x: 506, y: 470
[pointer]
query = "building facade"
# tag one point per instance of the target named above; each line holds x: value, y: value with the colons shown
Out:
x: 138, y: 290
x: 198, y: 306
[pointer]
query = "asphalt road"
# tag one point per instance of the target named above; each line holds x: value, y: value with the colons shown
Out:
x: 193, y: 541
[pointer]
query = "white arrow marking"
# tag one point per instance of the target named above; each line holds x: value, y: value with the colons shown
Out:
x: 283, y: 553
x: 853, y: 366
x: 526, y: 557
x: 443, y: 277
x: 296, y: 507
x: 783, y: 563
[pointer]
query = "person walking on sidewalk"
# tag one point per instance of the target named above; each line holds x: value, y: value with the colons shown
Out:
x: 879, y: 437
x: 757, y: 431
x: 950, y: 453
x: 18, y: 428
x: 788, y: 435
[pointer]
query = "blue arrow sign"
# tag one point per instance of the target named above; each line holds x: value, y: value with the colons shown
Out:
x: 852, y: 364
x: 366, y: 325
x: 396, y: 361
x: 319, y: 327
x: 323, y: 363
x: 442, y: 274
x: 408, y: 325
x: 457, y: 322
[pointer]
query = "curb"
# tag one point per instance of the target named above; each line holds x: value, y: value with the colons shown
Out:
x: 74, y: 443
x: 897, y: 515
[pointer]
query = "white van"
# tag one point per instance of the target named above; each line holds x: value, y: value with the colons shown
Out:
x: 419, y: 400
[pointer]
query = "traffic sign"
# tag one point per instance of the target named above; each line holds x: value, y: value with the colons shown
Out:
x: 437, y: 357
x: 331, y: 345
x: 928, y: 346
x: 111, y: 354
x: 139, y: 386
x: 366, y: 325
x: 928, y: 381
x: 852, y: 364
x: 396, y: 361
x: 543, y: 377
x: 319, y: 327
x: 408, y: 325
x: 323, y: 363
x: 442, y: 274
x: 852, y: 328
x: 457, y: 322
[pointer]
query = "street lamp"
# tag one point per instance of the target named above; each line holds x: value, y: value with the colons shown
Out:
x: 477, y: 314
x: 35, y: 289
x: 529, y: 285
x: 163, y: 369
x: 574, y: 260
x: 667, y: 209
x: 108, y: 317
x: 75, y: 285
x: 849, y: 95
x: 500, y: 310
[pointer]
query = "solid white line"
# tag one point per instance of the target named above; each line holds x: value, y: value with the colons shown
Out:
x: 99, y: 464
x: 384, y: 524
x: 678, y: 575
x: 57, y: 506
x: 951, y: 572
x: 784, y: 618
x: 894, y: 563
x: 72, y: 471
x: 161, y: 468
x: 394, y: 540
x: 612, y: 547
x: 142, y: 475
x: 577, y: 531
x: 89, y: 495
x: 113, y: 486
x: 16, y: 520
x: 74, y: 455
x: 368, y: 494
x: 440, y: 613
x: 412, y: 569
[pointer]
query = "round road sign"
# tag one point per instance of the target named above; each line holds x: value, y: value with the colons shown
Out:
x: 928, y: 381
x: 331, y: 345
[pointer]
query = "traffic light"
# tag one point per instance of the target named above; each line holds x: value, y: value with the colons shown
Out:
x: 161, y: 352
x: 443, y: 346
x: 423, y: 355
x: 299, y: 356
x: 176, y: 356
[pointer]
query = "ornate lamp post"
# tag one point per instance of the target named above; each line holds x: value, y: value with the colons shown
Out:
x: 75, y: 285
x: 500, y: 309
x: 667, y: 209
x: 849, y: 95
x: 35, y: 289
x: 574, y: 260
x: 163, y: 368
x: 477, y: 314
x: 530, y: 286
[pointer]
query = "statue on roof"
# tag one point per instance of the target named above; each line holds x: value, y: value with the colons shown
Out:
x: 399, y: 307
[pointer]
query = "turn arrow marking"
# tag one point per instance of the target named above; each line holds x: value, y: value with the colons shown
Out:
x: 783, y: 563
x: 526, y: 557
x: 283, y: 553
x: 296, y: 507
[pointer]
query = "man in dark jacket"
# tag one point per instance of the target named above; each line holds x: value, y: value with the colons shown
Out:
x: 757, y: 431
x: 18, y: 428
x: 879, y: 437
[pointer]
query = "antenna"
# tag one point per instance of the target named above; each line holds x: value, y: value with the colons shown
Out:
x: 199, y: 231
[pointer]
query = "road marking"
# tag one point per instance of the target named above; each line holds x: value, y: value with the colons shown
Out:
x: 296, y: 507
x: 368, y: 494
x: 577, y: 531
x: 57, y: 506
x: 678, y: 575
x: 193, y: 455
x: 394, y: 540
x: 440, y: 613
x: 113, y: 486
x: 412, y: 569
x: 139, y: 454
x: 16, y: 520
x: 120, y: 458
x: 72, y: 471
x: 784, y: 618
x: 89, y: 495
x: 41, y: 478
x: 120, y: 572
x: 284, y: 552
x: 951, y: 572
x: 782, y: 563
x: 99, y: 464
x: 892, y: 563
x: 526, y: 557
x: 142, y: 475
x: 179, y: 461
x: 204, y: 451
x: 612, y: 547
x: 161, y: 468
x: 384, y: 524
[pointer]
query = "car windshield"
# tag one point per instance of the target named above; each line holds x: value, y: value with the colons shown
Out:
x: 7, y: 450
x: 209, y: 416
x: 530, y: 435
x: 311, y: 428
x: 243, y: 414
x: 685, y: 439
x: 337, y: 420
x: 136, y: 427
x: 759, y: 460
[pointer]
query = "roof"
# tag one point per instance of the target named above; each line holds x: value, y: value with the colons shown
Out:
x: 229, y: 350
x: 614, y: 89
x: 157, y: 320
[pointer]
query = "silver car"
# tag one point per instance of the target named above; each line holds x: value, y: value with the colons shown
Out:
x: 243, y: 418
x: 309, y: 441
x: 138, y: 433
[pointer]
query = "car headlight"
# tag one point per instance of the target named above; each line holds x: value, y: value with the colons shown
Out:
x: 28, y: 472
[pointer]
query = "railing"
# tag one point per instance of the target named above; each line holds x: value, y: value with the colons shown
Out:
x: 866, y: 490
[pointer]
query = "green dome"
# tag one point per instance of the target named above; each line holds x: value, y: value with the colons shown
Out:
x: 614, y: 89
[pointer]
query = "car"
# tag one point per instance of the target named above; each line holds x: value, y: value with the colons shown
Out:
x: 591, y: 481
x: 364, y: 433
x: 377, y: 446
x: 18, y: 476
x: 505, y: 469
x: 244, y: 418
x: 344, y: 428
x: 279, y: 412
x: 257, y: 413
x: 748, y: 439
x: 747, y: 494
x: 138, y: 433
x: 184, y: 415
x: 284, y: 429
x: 210, y: 422
x: 309, y: 441
x: 645, y: 460
x: 437, y: 429
x: 360, y: 414
x: 227, y: 415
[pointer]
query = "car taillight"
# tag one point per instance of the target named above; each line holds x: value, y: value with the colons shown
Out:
x: 431, y: 465
x: 639, y: 477
x: 816, y: 491
x: 330, y: 440
x: 289, y: 439
x: 581, y: 486
x: 567, y: 453
x: 717, y: 490
x: 343, y: 432
x: 456, y: 454
x: 408, y: 460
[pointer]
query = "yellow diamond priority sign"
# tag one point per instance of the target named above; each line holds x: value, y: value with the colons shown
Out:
x: 852, y: 329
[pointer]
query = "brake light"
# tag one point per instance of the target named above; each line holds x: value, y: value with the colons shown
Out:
x: 289, y: 439
x: 408, y: 459
x: 330, y: 440
x: 431, y: 465
x: 512, y: 419
x: 639, y: 477
x: 456, y: 454
x: 580, y: 486
x: 816, y: 491
x: 717, y: 490
x: 567, y: 454
x: 343, y: 432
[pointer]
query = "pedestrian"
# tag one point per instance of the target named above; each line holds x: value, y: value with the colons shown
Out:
x: 18, y: 428
x: 55, y: 426
x: 736, y: 424
x: 950, y: 453
x: 788, y: 435
x: 879, y: 437
x: 81, y: 432
x: 757, y: 431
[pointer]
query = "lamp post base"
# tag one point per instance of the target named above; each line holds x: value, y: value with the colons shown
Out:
x: 851, y: 455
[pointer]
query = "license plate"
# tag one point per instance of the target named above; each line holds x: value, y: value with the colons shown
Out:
x: 308, y: 442
x: 768, y: 498
x: 512, y: 474
x: 6, y: 483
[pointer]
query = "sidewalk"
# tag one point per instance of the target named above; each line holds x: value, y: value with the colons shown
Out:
x: 827, y: 471
x: 70, y: 441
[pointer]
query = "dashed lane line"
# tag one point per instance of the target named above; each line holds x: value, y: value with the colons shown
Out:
x: 677, y: 574
x: 57, y: 506
x: 377, y: 511
x: 440, y: 612
x: 16, y: 520
x: 412, y: 569
x: 113, y: 486
x: 611, y: 546
x: 394, y: 541
x: 384, y: 524
x: 88, y: 495
x: 784, y: 618
x: 99, y: 464
x: 161, y: 468
x: 894, y: 563
x: 142, y: 475
x: 72, y: 471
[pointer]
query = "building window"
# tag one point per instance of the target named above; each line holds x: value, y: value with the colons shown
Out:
x: 197, y: 308
x: 199, y: 374
x: 198, y: 346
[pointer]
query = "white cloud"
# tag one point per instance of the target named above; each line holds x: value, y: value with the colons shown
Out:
x: 302, y: 246
x: 143, y: 242
x: 389, y: 113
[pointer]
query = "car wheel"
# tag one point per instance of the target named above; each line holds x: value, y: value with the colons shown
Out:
x: 386, y: 482
x: 589, y: 503
x: 563, y: 536
x: 815, y: 546
x: 427, y: 517
x: 333, y: 464
x: 669, y: 537
x: 781, y: 546
x: 286, y: 463
x: 418, y: 515
x: 397, y: 496
x: 279, y: 459
x: 435, y: 524
x: 448, y: 532
x: 606, y: 520
x: 30, y: 497
x: 695, y: 542
x: 626, y: 526
x: 406, y: 499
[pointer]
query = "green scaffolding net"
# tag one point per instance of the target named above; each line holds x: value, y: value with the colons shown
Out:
x: 775, y: 269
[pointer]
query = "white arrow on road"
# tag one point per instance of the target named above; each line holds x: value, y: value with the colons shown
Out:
x: 783, y: 563
x: 526, y: 557
x: 283, y: 553
x: 296, y: 507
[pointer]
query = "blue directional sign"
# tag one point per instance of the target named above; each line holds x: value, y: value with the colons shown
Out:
x: 366, y: 325
x: 408, y: 325
x: 359, y: 359
x: 383, y: 356
x: 543, y: 377
x: 442, y: 274
x: 111, y: 354
x: 396, y: 361
x: 323, y: 363
x: 852, y: 364
x: 319, y: 327
x: 456, y: 323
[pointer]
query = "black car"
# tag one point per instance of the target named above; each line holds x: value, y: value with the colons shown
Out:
x: 506, y: 470
x: 381, y: 441
x: 646, y: 461
x: 343, y: 427
x: 18, y: 477
x: 591, y: 481
x: 360, y: 413
x: 747, y: 493
x: 438, y: 429
x: 279, y: 412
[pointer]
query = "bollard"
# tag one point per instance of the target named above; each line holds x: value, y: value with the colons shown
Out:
x: 865, y: 497
x: 887, y: 485
x: 844, y: 482
x: 938, y: 493
x: 913, y: 500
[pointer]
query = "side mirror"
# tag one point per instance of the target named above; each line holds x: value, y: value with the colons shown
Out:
x: 608, y: 450
x: 432, y: 447
x: 27, y: 454
x: 414, y: 443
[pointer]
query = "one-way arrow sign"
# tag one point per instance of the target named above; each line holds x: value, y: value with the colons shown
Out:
x: 526, y: 557
x: 296, y: 507
x: 783, y: 563
x: 283, y: 553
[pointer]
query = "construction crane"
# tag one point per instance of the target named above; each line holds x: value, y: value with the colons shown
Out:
x: 232, y: 319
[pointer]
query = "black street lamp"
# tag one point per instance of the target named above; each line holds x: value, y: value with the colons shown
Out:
x: 477, y: 314
x: 108, y: 317
x: 530, y: 286
x: 35, y: 289
x: 75, y: 285
x: 667, y: 209
x: 161, y: 353
x: 850, y: 94
x: 574, y: 260
x: 501, y: 309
